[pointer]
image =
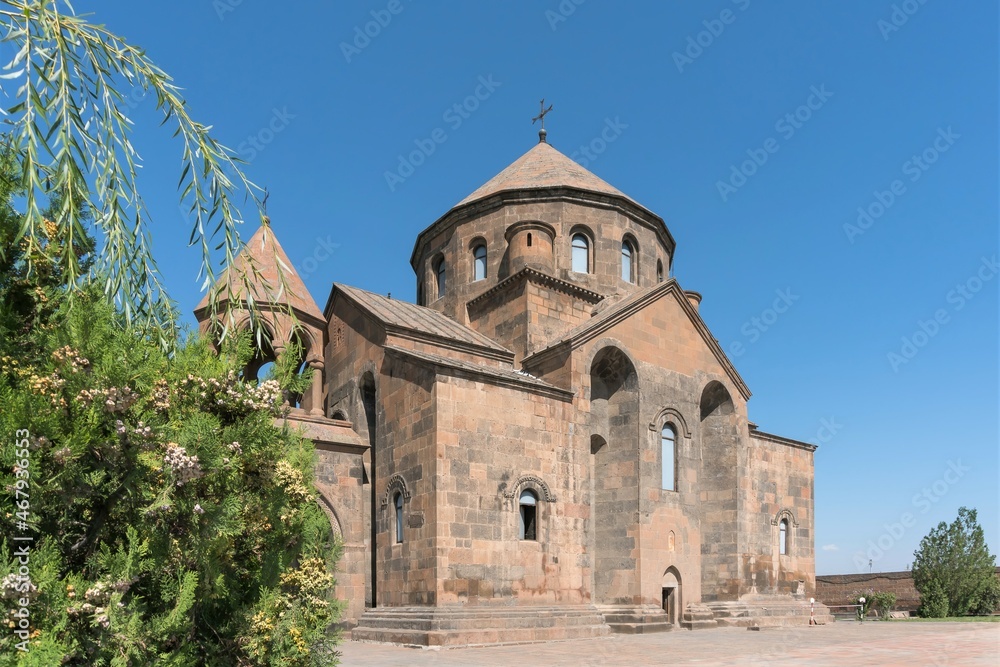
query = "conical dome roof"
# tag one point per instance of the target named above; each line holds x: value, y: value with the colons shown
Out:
x: 267, y: 254
x: 543, y: 167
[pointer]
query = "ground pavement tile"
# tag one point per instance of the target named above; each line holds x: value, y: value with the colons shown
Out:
x: 909, y: 644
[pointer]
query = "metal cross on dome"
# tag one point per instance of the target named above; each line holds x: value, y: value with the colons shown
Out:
x: 541, y: 117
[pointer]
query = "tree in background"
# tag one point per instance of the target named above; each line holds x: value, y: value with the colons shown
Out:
x: 954, y: 571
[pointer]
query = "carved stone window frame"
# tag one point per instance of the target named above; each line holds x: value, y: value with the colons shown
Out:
x: 396, y: 484
x: 533, y: 482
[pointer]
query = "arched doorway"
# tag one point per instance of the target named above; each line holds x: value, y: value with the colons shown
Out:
x: 671, y: 595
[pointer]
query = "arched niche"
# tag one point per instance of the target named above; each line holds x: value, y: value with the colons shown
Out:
x: 716, y: 400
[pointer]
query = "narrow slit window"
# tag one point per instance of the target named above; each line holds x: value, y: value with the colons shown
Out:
x: 783, y: 537
x: 659, y: 271
x: 529, y: 515
x: 441, y: 275
x: 627, y: 256
x: 398, y: 504
x: 668, y: 452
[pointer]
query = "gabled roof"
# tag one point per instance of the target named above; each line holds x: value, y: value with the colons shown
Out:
x: 627, y: 307
x: 543, y: 167
x: 401, y: 317
x: 268, y: 256
x: 509, y: 377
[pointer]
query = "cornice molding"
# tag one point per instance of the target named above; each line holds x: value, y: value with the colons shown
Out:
x: 531, y: 274
x: 491, y: 376
x: 781, y: 440
x: 479, y: 207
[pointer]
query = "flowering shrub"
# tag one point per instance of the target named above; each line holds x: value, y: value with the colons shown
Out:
x: 883, y: 603
x: 174, y: 523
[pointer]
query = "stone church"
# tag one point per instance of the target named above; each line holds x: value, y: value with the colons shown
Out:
x: 549, y: 443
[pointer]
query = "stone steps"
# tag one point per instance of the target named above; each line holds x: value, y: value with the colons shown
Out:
x: 464, y: 626
x: 698, y: 617
x: 767, y: 613
x: 635, y: 620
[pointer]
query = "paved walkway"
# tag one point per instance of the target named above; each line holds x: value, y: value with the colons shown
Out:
x: 844, y: 644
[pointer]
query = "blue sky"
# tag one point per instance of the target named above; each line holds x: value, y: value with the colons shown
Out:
x: 833, y: 161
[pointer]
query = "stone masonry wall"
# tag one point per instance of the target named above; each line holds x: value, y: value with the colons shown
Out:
x: 778, y: 484
x: 843, y: 589
x: 406, y: 443
x: 673, y: 365
x: 495, y: 443
x: 339, y: 481
x: 839, y: 589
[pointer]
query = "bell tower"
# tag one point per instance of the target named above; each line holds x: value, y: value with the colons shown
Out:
x: 288, y: 312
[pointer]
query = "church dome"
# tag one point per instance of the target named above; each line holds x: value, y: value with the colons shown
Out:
x: 546, y: 213
x: 543, y: 167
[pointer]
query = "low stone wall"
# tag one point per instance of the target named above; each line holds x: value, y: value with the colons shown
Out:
x: 838, y: 589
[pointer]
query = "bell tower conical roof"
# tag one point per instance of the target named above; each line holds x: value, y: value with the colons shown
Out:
x: 273, y: 267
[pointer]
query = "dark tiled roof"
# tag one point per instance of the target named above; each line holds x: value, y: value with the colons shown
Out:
x: 409, y: 316
x: 543, y: 167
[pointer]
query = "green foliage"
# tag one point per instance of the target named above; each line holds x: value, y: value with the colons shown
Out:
x: 954, y: 561
x: 987, y: 600
x: 28, y: 298
x: 174, y: 523
x: 883, y: 602
x: 69, y: 81
x: 933, y: 601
